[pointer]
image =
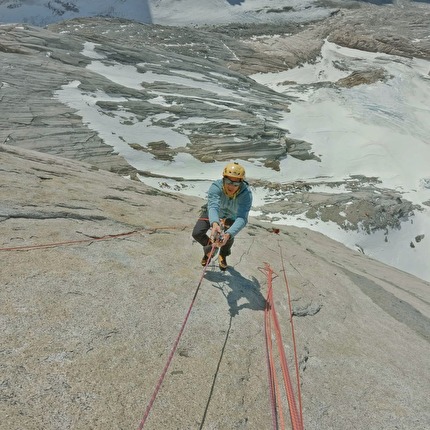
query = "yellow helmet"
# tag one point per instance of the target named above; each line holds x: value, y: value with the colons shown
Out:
x: 234, y: 170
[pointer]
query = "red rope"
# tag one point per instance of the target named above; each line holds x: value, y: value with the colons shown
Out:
x: 270, y: 368
x: 271, y: 315
x: 293, y: 336
x: 175, y: 345
x: 273, y: 380
x: 68, y: 242
x: 93, y: 239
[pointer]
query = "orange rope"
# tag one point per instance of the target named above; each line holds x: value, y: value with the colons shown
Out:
x: 293, y: 336
x: 273, y: 380
x: 270, y: 367
x: 93, y: 239
x: 270, y: 315
x: 68, y: 242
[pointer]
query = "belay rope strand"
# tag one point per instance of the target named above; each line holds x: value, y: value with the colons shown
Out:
x: 293, y: 336
x: 91, y: 239
x: 175, y: 345
x: 270, y: 317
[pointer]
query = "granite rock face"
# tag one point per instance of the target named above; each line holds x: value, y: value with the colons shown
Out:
x: 94, y: 291
x: 94, y: 288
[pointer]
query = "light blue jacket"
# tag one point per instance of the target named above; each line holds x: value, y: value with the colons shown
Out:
x: 235, y: 208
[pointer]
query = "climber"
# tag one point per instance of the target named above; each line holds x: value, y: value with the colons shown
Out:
x: 225, y: 213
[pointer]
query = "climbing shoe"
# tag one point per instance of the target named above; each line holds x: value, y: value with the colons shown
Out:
x: 222, y: 261
x: 205, y: 260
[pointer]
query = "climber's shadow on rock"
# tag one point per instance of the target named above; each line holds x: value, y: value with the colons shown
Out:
x: 246, y: 291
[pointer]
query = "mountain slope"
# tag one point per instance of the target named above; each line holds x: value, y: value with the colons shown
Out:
x: 88, y: 321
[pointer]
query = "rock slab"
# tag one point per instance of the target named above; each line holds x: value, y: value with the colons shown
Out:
x: 89, y: 318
